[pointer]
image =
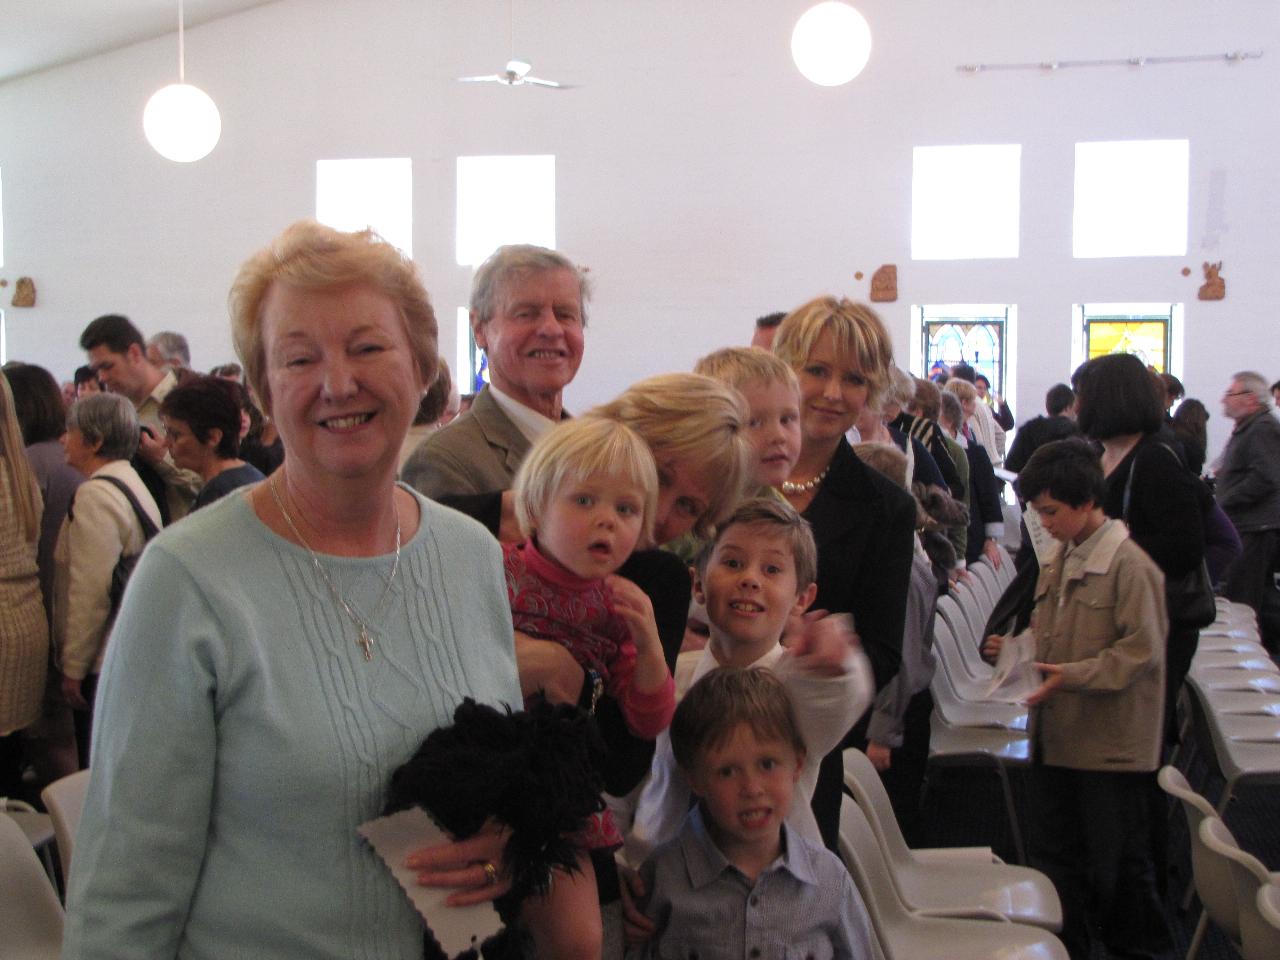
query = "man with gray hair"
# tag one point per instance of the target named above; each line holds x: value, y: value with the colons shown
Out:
x: 528, y: 311
x: 1248, y: 489
x: 169, y: 349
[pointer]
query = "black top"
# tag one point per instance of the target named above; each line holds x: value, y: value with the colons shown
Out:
x: 1033, y: 435
x: 1165, y: 506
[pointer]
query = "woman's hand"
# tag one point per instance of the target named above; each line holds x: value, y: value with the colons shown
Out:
x: 474, y: 865
x: 1052, y: 681
x: 548, y: 668
x: 824, y: 643
x: 990, y: 551
x: 71, y: 693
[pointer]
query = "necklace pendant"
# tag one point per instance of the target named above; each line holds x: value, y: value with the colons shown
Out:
x: 366, y: 643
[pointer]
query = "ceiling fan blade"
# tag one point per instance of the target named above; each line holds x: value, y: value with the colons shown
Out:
x: 490, y: 78
x: 549, y: 83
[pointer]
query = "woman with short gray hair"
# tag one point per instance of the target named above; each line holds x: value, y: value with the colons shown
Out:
x: 103, y: 525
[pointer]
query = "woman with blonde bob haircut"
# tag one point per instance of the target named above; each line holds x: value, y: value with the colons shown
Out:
x: 696, y: 428
x: 282, y: 652
x: 864, y: 525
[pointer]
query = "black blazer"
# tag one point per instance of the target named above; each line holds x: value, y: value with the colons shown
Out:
x: 864, y: 525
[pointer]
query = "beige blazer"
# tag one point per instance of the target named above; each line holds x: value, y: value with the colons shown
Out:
x: 478, y: 452
x: 1102, y: 616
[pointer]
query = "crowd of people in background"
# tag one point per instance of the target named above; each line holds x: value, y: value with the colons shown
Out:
x: 326, y: 547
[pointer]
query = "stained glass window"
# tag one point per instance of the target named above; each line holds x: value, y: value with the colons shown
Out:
x: 976, y: 340
x: 1147, y: 337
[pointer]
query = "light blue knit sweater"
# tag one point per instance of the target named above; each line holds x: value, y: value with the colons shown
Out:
x: 240, y: 737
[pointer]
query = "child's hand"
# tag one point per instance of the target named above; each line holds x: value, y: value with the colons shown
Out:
x: 824, y: 643
x: 1052, y: 681
x: 879, y: 756
x: 992, y: 645
x: 636, y: 927
x: 634, y: 606
x: 474, y: 865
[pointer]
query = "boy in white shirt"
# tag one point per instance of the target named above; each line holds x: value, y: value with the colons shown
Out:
x: 759, y: 571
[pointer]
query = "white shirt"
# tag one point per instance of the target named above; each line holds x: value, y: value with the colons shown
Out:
x: 528, y: 421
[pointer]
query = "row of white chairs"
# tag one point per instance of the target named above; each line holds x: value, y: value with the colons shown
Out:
x: 967, y: 729
x: 961, y: 904
x: 30, y: 910
x: 1233, y: 700
x: 1237, y: 892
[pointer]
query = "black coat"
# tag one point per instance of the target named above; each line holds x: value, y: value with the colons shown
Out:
x: 864, y: 526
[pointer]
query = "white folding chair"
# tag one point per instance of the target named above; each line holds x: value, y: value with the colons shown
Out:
x: 30, y: 914
x: 64, y: 799
x: 966, y: 641
x: 904, y: 934
x: 1263, y: 942
x: 956, y: 887
x: 1236, y: 905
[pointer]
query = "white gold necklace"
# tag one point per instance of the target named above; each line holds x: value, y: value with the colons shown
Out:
x: 365, y: 639
x: 811, y: 484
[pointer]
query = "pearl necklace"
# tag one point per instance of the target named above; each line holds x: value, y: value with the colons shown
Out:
x: 811, y: 484
x: 365, y: 639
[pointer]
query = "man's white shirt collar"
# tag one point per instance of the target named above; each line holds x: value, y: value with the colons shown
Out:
x: 528, y: 421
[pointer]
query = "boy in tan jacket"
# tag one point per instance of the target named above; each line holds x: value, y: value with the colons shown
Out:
x: 1100, y: 627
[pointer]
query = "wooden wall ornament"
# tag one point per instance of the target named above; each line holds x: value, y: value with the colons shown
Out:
x: 1214, y: 287
x: 24, y: 294
x: 884, y: 284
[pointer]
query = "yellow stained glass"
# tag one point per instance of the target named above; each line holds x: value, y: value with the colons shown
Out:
x: 1143, y: 338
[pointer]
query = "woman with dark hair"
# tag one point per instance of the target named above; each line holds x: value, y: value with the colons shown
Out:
x: 37, y: 401
x: 1190, y: 425
x: 1149, y: 485
x: 202, y: 428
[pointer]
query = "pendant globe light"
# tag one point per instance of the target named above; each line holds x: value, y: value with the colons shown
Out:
x: 181, y: 121
x: 831, y: 43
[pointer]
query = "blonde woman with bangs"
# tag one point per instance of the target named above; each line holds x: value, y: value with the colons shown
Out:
x: 863, y: 524
x: 24, y: 631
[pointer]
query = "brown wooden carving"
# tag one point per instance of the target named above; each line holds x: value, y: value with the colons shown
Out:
x: 24, y: 294
x: 884, y: 284
x: 1214, y: 287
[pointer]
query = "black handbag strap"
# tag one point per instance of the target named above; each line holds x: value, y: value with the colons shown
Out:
x: 149, y: 529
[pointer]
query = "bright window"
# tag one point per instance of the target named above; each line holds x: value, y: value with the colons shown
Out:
x: 979, y: 334
x: 1131, y: 199
x: 964, y: 202
x: 1147, y: 330
x: 377, y: 193
x: 504, y: 200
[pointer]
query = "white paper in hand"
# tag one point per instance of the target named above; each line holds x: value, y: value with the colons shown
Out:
x: 1016, y: 677
x: 396, y: 836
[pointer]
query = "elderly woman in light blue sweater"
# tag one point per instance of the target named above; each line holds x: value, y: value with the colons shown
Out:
x: 280, y: 653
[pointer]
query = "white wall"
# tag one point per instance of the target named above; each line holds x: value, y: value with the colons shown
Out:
x: 699, y: 176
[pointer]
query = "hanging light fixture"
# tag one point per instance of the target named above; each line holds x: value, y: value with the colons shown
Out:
x: 181, y: 121
x: 831, y: 43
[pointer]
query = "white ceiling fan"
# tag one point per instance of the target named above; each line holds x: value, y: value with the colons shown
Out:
x: 516, y: 72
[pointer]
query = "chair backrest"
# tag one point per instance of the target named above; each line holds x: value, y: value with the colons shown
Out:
x: 861, y: 854
x: 949, y: 610
x: 64, y: 800
x: 1245, y: 873
x: 30, y: 914
x: 1263, y: 942
x: 863, y: 781
x: 1212, y: 878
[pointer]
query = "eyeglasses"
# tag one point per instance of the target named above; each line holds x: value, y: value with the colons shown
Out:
x: 1238, y: 393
